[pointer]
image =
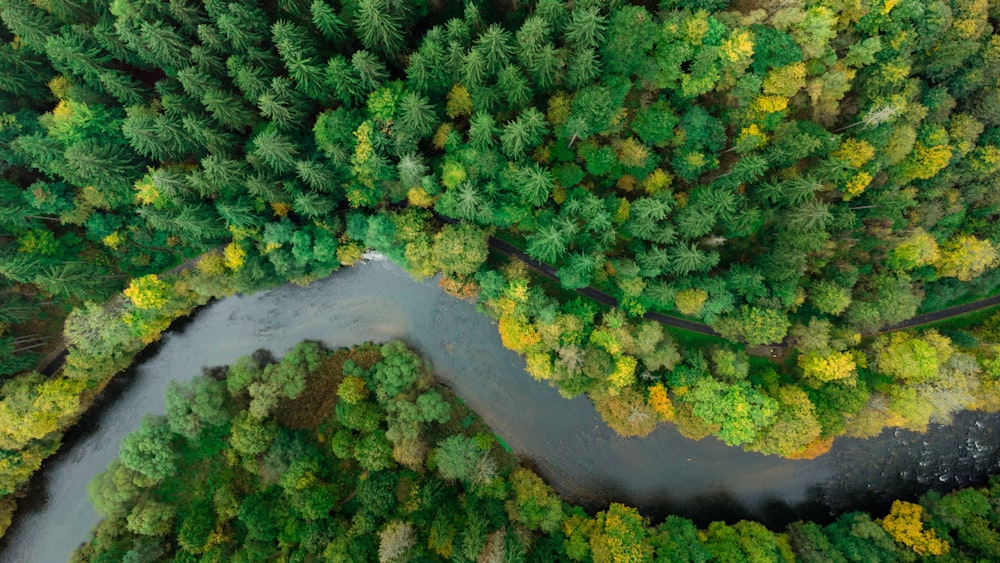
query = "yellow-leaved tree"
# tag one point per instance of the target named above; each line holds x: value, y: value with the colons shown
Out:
x: 33, y: 407
x: 148, y: 292
x: 905, y: 524
x: 660, y: 402
x: 621, y: 536
x: 821, y: 366
x: 690, y: 301
x: 966, y: 257
x: 918, y: 249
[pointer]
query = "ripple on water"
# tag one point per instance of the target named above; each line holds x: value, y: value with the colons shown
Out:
x: 578, y: 478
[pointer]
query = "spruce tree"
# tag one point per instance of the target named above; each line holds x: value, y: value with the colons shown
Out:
x: 379, y: 27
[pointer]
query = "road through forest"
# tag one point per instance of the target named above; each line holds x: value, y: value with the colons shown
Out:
x: 684, y: 324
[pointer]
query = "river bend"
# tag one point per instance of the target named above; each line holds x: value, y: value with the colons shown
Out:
x: 564, y: 440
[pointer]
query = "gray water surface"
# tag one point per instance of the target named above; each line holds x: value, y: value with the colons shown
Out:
x: 563, y: 439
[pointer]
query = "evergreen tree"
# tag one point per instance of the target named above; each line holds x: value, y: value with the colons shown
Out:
x: 155, y: 136
x: 411, y: 169
x: 370, y: 70
x: 73, y: 280
x: 428, y: 69
x: 534, y: 184
x: 283, y: 105
x: 583, y: 68
x: 515, y: 87
x: 326, y: 20
x: 123, y: 87
x: 208, y: 134
x: 167, y: 47
x: 534, y: 33
x: 379, y: 27
x: 312, y: 204
x: 495, y: 46
x: 76, y: 54
x: 473, y: 69
x: 688, y: 258
x: 416, y: 115
x: 252, y: 79
x: 197, y: 82
x: 243, y: 26
x: 482, y: 130
x: 548, y: 244
x: 344, y: 79
x: 112, y: 168
x: 300, y: 58
x: 547, y: 66
x: 23, y: 74
x: 29, y: 23
x: 554, y: 13
x: 227, y: 108
x: 585, y: 29
x: 315, y: 175
x: 274, y: 150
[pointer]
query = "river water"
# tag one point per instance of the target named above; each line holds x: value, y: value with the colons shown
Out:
x: 564, y: 440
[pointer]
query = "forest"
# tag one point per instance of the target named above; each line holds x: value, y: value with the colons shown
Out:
x: 797, y: 175
x: 358, y: 455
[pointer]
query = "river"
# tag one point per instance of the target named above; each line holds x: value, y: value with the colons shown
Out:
x: 564, y: 440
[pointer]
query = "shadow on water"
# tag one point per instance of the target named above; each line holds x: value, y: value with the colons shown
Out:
x: 703, y: 509
x: 865, y: 475
x: 901, y: 464
x: 564, y: 440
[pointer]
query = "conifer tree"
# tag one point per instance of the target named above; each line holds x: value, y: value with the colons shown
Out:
x: 416, y: 115
x: 242, y: 25
x: 29, y: 23
x: 379, y: 27
x: 515, y: 87
x: 23, y: 73
x: 283, y: 105
x: 547, y: 66
x: 274, y: 150
x: 252, y: 79
x: 326, y: 20
x: 227, y: 108
x: 585, y: 29
x: 370, y: 70
x: 167, y: 47
x: 344, y: 80
x: 495, y: 46
x: 123, y: 87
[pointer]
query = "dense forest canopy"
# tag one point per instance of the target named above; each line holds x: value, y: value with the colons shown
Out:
x: 796, y: 174
x: 356, y: 455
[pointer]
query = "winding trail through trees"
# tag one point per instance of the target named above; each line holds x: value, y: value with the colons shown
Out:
x: 693, y: 326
